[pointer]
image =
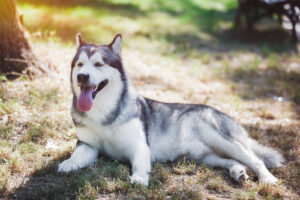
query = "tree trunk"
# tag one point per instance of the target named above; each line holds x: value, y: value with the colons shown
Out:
x: 15, y: 51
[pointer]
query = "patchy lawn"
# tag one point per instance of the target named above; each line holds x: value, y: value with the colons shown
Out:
x: 175, y: 51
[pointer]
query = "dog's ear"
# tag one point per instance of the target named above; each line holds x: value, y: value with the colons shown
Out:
x: 79, y: 41
x: 116, y: 44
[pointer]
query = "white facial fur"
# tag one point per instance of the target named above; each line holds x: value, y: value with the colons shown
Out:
x: 105, y: 99
x: 96, y: 74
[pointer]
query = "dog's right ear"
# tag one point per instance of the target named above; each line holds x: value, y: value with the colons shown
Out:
x: 116, y: 44
x: 79, y: 41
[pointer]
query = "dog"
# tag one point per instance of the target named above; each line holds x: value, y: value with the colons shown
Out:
x: 111, y: 118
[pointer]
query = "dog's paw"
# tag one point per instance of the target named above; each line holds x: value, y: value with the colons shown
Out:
x: 270, y: 179
x: 238, y: 173
x: 67, y: 166
x: 143, y: 180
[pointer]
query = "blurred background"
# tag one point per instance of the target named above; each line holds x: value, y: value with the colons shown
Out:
x: 171, y: 26
x: 188, y: 51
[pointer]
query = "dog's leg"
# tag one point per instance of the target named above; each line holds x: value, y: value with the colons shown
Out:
x: 81, y: 157
x: 247, y: 157
x: 237, y: 170
x: 141, y: 165
x: 137, y: 151
x: 235, y: 150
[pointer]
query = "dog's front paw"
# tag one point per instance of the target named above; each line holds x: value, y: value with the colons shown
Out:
x: 67, y: 166
x: 143, y: 180
x: 270, y: 179
x: 238, y: 173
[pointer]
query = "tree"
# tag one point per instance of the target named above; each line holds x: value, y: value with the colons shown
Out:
x: 15, y: 51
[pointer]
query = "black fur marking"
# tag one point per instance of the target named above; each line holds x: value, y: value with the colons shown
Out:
x: 191, y: 109
x: 84, y: 48
x: 169, y: 110
x: 153, y: 109
x: 122, y: 102
x: 226, y: 126
x: 108, y: 55
x: 144, y: 111
x: 79, y: 142
x: 101, y: 85
x: 114, y: 60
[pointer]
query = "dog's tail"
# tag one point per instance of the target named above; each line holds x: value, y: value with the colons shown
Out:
x: 271, y: 157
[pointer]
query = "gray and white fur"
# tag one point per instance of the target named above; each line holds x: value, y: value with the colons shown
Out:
x: 129, y: 127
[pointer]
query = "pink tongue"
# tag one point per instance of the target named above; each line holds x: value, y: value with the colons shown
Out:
x: 85, y: 100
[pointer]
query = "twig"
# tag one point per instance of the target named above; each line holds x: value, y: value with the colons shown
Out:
x: 16, y: 60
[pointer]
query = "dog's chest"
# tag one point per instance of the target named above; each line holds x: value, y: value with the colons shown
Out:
x: 103, y: 138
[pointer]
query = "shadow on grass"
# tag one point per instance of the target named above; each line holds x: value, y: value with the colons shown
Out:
x: 205, y: 19
x: 284, y: 138
x: 227, y: 39
x: 104, y: 179
x: 276, y: 136
x: 109, y: 179
x: 265, y: 37
x: 261, y: 42
x: 88, y: 182
x: 273, y: 82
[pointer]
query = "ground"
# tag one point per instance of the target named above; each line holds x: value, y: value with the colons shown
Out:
x: 174, y: 51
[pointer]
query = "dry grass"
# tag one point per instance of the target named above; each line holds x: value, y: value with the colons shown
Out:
x: 190, y: 62
x: 34, y: 113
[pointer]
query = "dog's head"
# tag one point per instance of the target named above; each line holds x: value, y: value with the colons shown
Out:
x: 93, y: 68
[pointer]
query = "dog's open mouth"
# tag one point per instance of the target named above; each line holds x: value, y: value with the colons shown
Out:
x: 87, y: 95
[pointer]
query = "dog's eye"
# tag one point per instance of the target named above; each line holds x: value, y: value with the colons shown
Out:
x: 97, y: 64
x: 80, y: 64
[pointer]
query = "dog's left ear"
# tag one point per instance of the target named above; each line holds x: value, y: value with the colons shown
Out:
x: 116, y: 44
x: 79, y: 41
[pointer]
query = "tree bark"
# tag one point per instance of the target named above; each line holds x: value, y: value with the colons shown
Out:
x: 15, y: 51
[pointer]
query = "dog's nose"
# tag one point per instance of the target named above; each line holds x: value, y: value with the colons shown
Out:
x: 82, y: 78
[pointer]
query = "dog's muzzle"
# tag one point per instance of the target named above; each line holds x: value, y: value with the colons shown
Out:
x: 83, y: 78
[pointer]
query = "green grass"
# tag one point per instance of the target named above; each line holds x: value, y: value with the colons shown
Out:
x: 176, y: 51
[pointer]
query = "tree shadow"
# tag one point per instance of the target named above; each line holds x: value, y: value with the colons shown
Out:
x: 277, y: 84
x: 284, y: 139
x: 47, y: 183
x: 272, y: 82
x: 217, y: 23
x: 276, y: 136
x: 259, y: 42
x: 206, y: 19
x: 273, y: 40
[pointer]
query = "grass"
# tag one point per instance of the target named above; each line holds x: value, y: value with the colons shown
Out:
x: 167, y: 44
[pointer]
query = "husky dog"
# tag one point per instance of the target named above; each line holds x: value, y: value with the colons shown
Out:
x: 111, y: 118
